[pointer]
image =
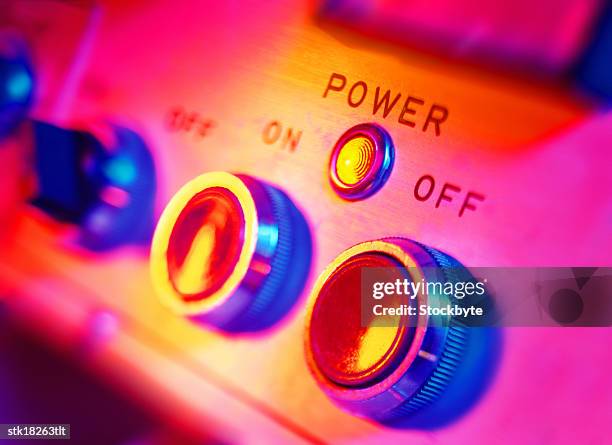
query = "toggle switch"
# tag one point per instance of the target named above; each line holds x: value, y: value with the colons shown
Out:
x: 106, y: 189
x: 231, y: 251
x: 419, y: 372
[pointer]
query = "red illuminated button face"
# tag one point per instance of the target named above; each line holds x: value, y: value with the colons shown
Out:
x: 205, y: 243
x: 345, y: 351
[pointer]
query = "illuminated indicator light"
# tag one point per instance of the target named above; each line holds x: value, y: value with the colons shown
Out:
x: 361, y: 161
x: 16, y: 84
x: 19, y: 85
x: 231, y: 251
x: 121, y: 171
x: 115, y: 196
x: 354, y: 160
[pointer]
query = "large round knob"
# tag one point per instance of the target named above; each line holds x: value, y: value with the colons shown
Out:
x: 408, y: 364
x: 231, y: 251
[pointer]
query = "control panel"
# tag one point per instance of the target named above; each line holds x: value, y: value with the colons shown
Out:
x: 207, y: 184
